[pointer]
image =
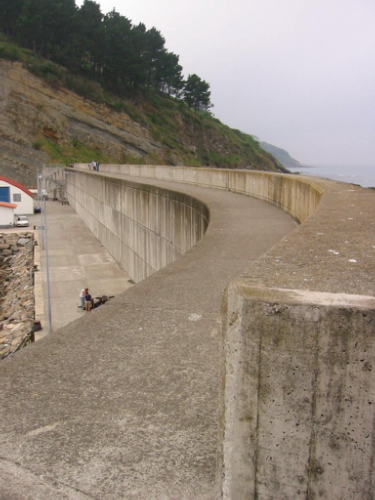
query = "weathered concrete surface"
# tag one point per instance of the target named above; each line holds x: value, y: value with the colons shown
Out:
x: 295, y: 194
x: 333, y: 251
x: 298, y: 374
x: 297, y: 377
x: 299, y: 394
x: 123, y: 402
x: 144, y: 227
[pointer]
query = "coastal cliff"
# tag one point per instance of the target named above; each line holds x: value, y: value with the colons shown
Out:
x: 45, y: 122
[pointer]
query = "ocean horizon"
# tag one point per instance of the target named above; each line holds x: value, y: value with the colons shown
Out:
x: 363, y: 176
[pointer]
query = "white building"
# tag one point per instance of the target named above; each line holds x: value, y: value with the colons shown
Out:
x: 13, y: 192
x: 6, y: 214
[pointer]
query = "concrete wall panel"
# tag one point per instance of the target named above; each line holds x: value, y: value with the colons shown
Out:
x: 298, y: 196
x: 143, y: 227
x: 190, y: 176
x: 128, y: 232
x: 299, y: 395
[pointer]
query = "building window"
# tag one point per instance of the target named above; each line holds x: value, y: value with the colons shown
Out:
x: 17, y: 197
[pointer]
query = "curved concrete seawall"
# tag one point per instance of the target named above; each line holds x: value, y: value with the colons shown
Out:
x: 298, y: 196
x: 124, y: 403
x: 298, y: 330
x: 144, y: 227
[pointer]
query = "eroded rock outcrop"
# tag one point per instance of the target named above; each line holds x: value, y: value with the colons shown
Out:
x: 34, y: 113
x: 17, y: 314
x: 30, y: 108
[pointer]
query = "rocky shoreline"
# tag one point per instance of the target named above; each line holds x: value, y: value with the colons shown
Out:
x: 17, y: 315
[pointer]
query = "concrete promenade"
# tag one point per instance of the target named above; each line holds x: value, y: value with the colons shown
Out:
x: 76, y: 260
x: 123, y: 402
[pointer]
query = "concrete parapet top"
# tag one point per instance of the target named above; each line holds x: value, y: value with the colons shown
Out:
x: 332, y: 251
x: 286, y: 296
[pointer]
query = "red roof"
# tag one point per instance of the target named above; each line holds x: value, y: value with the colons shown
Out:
x: 7, y: 205
x: 16, y: 184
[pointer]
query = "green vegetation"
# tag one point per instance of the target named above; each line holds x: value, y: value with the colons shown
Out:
x: 187, y: 138
x: 129, y: 71
x: 105, y: 48
x: 76, y: 152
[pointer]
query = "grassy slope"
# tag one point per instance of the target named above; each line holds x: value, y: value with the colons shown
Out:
x: 187, y: 138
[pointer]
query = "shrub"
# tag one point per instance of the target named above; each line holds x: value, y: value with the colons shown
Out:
x: 10, y: 52
x: 38, y: 144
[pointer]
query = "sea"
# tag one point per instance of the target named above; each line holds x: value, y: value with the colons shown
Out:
x: 363, y: 176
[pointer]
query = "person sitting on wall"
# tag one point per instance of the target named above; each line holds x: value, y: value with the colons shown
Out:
x: 81, y: 296
x: 88, y: 300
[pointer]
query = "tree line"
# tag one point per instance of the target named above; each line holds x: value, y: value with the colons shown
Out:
x: 107, y: 48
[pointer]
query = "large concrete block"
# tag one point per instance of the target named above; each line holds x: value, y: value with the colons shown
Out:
x: 298, y: 394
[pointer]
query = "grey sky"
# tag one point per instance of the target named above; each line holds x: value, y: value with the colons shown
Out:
x: 298, y: 74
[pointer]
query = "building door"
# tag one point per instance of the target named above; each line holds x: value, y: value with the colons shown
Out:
x: 5, y: 194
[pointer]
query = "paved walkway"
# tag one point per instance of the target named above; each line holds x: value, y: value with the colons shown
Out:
x: 76, y: 260
x: 123, y: 402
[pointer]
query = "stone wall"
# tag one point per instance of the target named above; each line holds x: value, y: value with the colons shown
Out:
x: 17, y: 317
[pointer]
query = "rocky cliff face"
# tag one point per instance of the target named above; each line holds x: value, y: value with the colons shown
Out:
x: 17, y: 312
x: 281, y: 155
x: 29, y: 108
x: 34, y: 113
x: 18, y: 158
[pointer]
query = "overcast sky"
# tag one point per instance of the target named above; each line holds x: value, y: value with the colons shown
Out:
x: 299, y: 74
